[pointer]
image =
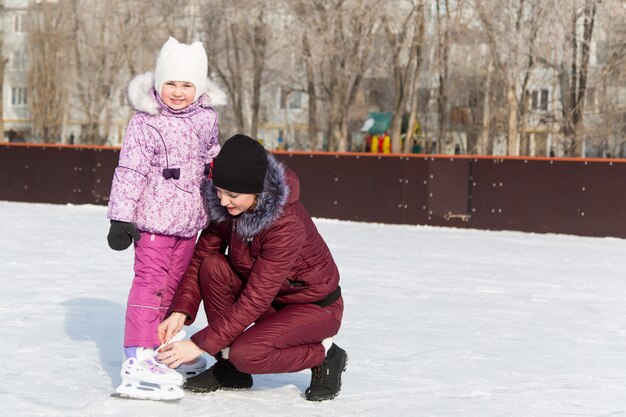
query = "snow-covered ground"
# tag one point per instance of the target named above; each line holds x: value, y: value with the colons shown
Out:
x: 438, y: 322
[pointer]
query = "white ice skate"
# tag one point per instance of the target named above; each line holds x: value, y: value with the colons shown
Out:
x: 144, y: 377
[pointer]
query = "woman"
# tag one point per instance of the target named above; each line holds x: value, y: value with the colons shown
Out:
x: 273, y: 302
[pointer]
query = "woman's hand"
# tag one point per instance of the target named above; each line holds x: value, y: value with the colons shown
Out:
x: 170, y: 326
x: 177, y: 353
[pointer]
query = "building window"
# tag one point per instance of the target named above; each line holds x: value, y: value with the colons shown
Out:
x: 19, y: 96
x: 17, y: 23
x: 591, y: 100
x: 19, y: 60
x: 290, y: 99
x: 123, y: 97
x: 539, y: 99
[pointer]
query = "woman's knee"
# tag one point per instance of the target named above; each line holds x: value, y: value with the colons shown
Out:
x: 250, y: 358
x: 213, y: 267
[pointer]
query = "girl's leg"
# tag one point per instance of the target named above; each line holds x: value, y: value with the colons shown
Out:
x: 182, y: 252
x: 181, y: 256
x: 153, y: 255
x: 288, y: 340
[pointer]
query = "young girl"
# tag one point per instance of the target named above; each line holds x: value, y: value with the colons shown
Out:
x: 278, y: 274
x: 156, y: 201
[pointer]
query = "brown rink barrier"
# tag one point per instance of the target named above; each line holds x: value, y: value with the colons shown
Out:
x: 544, y: 195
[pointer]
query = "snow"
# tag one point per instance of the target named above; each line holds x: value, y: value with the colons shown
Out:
x: 438, y: 322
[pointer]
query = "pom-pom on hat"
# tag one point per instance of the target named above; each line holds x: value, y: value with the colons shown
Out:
x: 240, y: 166
x: 181, y: 62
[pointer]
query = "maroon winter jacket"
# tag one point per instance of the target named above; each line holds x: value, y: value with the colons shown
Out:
x: 275, y: 249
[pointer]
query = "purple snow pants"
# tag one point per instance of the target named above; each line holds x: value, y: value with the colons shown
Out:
x: 160, y: 262
x: 285, y: 340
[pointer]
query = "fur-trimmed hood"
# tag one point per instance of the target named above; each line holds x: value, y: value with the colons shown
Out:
x: 141, y: 95
x: 281, y: 187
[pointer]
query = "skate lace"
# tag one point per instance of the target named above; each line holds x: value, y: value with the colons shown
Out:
x: 317, y: 374
x: 154, y: 366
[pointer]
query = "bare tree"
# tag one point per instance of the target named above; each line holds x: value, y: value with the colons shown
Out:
x: 511, y: 34
x: 533, y: 23
x: 257, y: 38
x: 3, y: 62
x: 414, y: 86
x: 97, y: 58
x: 46, y: 76
x: 350, y: 26
x: 611, y: 80
x: 175, y: 18
x: 406, y: 37
x: 482, y: 146
x: 311, y: 90
x: 443, y: 54
x: 109, y: 42
x: 573, y: 81
x: 227, y: 57
x: 335, y: 38
x: 310, y: 15
x: 142, y: 31
x: 326, y: 48
x: 238, y: 46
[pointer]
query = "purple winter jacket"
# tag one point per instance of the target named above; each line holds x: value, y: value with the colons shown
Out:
x: 157, y: 138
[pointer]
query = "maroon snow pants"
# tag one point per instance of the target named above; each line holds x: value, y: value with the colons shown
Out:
x: 284, y: 340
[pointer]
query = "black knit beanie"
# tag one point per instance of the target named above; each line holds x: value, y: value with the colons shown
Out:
x: 240, y: 166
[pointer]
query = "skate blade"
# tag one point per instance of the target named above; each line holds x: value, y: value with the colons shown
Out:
x: 128, y: 397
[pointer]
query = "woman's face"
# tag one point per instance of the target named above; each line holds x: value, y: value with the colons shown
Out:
x: 235, y: 203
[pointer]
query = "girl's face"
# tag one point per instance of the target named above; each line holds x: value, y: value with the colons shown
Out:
x: 178, y: 94
x: 235, y: 203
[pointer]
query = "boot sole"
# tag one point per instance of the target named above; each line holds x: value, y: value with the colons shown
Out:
x: 332, y: 396
x: 202, y: 390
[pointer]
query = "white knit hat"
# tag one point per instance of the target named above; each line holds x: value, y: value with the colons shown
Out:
x: 181, y: 62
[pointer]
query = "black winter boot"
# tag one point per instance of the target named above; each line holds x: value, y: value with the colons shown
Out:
x: 222, y: 374
x: 326, y: 377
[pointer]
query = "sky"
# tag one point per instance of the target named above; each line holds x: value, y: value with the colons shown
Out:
x: 438, y: 322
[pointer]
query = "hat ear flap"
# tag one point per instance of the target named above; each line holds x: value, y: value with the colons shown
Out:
x: 169, y: 45
x: 197, y: 46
